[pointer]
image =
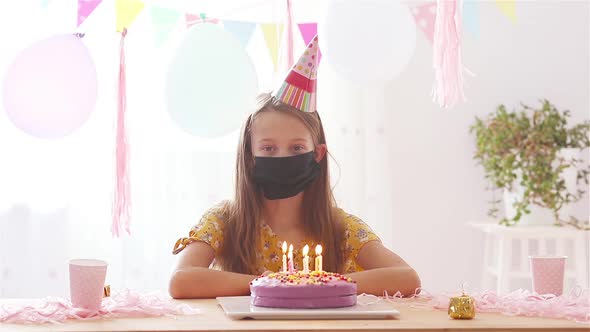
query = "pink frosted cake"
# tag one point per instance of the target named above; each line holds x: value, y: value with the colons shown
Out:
x: 303, y: 290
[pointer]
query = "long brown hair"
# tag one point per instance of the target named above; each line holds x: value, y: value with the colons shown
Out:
x: 242, y: 215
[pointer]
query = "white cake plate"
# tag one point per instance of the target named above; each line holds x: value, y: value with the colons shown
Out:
x: 238, y: 307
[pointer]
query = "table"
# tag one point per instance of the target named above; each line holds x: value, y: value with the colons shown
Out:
x: 212, y: 318
x: 506, y: 252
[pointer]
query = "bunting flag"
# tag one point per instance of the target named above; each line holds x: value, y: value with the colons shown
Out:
x: 192, y: 19
x: 308, y: 31
x: 425, y: 17
x: 43, y: 3
x: 241, y: 30
x: 508, y: 7
x: 163, y: 20
x: 471, y: 16
x: 273, y: 40
x: 127, y: 11
x: 85, y: 8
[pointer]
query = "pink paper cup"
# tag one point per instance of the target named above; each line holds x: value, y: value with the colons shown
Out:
x: 87, y: 278
x: 548, y: 274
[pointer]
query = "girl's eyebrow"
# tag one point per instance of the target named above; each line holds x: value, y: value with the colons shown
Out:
x: 299, y: 140
x: 270, y: 140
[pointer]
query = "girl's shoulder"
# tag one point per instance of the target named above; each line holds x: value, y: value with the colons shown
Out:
x: 219, y: 213
x: 213, y: 220
x: 209, y: 229
x: 348, y: 220
x: 356, y: 231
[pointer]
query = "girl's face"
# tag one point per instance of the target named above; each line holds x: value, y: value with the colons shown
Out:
x: 276, y: 134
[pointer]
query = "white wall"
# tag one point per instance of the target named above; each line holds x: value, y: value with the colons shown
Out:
x: 437, y: 187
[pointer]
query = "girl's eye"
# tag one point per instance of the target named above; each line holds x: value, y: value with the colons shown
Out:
x: 299, y: 148
x: 268, y: 148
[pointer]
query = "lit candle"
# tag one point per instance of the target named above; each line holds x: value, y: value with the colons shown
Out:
x: 318, y: 258
x: 291, y: 258
x: 305, y: 259
x: 284, y: 256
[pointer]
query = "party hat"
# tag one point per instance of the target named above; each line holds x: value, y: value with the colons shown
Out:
x: 299, y: 88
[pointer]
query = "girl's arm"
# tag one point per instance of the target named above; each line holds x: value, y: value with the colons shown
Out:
x: 384, y: 271
x: 192, y: 278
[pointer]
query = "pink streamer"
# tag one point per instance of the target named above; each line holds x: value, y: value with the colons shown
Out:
x: 448, y: 86
x: 573, y: 306
x: 125, y: 304
x: 289, y: 35
x: 192, y: 19
x: 128, y: 304
x: 122, y: 202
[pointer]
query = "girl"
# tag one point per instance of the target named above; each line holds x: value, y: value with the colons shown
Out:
x: 283, y: 193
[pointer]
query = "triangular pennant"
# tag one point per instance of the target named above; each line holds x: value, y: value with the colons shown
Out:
x: 163, y: 20
x: 44, y: 3
x: 308, y: 31
x: 127, y: 11
x: 425, y: 16
x: 273, y: 40
x: 85, y: 8
x: 241, y: 30
x: 471, y: 16
x: 508, y: 7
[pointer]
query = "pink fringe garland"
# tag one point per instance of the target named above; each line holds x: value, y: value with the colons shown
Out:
x: 125, y: 304
x: 121, y: 202
x: 448, y: 86
x: 573, y: 306
x: 289, y: 35
x: 128, y: 304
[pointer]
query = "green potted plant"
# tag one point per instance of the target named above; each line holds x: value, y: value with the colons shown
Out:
x: 526, y: 154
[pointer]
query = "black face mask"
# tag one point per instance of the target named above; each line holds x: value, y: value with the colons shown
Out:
x: 284, y: 177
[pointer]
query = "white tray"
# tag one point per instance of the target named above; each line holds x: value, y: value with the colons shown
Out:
x: 238, y: 307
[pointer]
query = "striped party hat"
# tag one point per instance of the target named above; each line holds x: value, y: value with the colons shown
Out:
x: 299, y: 88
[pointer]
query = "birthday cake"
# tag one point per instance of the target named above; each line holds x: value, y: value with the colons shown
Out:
x: 316, y: 289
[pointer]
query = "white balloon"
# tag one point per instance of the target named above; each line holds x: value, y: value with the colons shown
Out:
x: 367, y: 40
x: 211, y: 83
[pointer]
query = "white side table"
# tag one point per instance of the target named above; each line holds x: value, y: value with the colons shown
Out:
x: 506, y: 252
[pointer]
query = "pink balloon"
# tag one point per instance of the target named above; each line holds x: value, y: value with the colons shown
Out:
x: 50, y: 88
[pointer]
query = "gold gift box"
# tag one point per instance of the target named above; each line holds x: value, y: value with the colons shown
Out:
x: 462, y: 307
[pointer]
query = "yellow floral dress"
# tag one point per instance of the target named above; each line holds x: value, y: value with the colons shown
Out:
x: 210, y: 230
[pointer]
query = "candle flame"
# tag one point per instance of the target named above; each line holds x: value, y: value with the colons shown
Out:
x: 318, y: 249
x: 284, y: 247
x: 305, y: 250
x: 291, y: 250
